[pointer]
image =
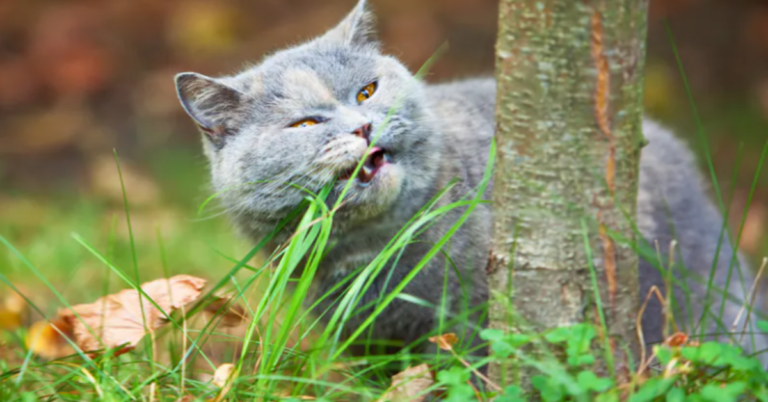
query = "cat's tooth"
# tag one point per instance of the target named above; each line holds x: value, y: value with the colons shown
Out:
x: 366, y: 170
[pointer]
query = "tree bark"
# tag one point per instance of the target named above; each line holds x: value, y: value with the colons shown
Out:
x: 569, y: 132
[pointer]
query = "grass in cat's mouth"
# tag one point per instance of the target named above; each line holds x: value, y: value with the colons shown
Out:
x: 374, y: 160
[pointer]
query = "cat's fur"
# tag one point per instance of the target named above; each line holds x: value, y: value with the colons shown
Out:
x: 437, y: 133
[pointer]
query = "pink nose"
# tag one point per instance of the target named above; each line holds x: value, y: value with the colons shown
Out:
x: 364, y: 132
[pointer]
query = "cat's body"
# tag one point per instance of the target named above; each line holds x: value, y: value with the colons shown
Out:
x: 307, y: 114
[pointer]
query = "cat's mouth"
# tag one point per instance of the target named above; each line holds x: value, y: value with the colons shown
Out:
x: 375, y: 159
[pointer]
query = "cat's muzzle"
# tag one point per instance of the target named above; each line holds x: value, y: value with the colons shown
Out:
x: 375, y: 159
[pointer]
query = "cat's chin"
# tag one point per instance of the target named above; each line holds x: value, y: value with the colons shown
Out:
x: 385, y: 178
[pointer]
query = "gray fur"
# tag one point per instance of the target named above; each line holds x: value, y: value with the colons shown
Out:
x: 437, y: 133
x: 673, y: 205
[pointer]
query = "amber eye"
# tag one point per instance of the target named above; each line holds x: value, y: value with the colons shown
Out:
x: 305, y: 123
x: 366, y: 92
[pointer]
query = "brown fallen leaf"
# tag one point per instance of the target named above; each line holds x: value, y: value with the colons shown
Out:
x: 444, y: 341
x: 9, y: 320
x: 409, y: 385
x: 116, y: 319
x: 677, y: 339
x: 192, y: 398
x: 12, y: 308
x: 222, y: 374
x: 44, y: 340
x: 226, y: 311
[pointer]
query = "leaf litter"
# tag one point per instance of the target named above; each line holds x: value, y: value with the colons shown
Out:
x: 410, y: 385
x: 124, y: 318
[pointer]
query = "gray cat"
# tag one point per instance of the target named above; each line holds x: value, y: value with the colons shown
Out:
x: 306, y: 115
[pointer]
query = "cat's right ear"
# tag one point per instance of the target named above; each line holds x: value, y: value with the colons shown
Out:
x: 214, y: 106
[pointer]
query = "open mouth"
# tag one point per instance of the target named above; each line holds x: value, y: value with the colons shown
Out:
x: 374, y: 160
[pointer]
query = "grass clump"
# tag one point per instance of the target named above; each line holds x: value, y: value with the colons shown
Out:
x: 283, y: 352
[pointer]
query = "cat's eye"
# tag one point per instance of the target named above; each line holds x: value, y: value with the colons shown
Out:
x: 366, y: 92
x: 305, y: 123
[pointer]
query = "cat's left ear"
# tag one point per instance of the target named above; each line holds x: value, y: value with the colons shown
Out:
x: 356, y: 29
x: 215, y: 107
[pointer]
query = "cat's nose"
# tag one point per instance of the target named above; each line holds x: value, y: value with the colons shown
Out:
x: 364, y: 132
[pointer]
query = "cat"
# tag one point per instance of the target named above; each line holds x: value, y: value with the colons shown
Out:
x: 306, y: 115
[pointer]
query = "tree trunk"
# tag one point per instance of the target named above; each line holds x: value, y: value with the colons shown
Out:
x: 569, y: 132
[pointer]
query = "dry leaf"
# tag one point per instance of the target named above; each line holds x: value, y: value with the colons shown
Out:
x: 12, y: 307
x: 9, y: 320
x: 192, y: 398
x: 226, y: 311
x: 222, y: 374
x: 117, y: 319
x: 445, y: 341
x: 44, y: 340
x: 677, y: 339
x: 409, y: 385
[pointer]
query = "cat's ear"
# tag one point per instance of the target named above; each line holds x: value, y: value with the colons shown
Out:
x: 214, y: 106
x: 355, y: 29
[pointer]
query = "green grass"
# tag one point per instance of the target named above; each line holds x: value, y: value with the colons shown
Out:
x: 83, y: 253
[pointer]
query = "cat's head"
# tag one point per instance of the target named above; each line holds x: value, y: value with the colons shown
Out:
x: 305, y: 117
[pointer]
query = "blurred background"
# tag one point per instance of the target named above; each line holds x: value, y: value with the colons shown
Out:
x: 81, y: 78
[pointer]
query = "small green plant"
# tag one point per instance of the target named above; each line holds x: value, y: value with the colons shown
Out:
x: 691, y: 371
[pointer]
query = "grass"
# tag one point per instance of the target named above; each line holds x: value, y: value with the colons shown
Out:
x: 283, y: 352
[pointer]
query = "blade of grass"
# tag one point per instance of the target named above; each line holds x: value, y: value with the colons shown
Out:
x: 734, y: 258
x: 710, y: 166
x: 134, y: 255
x: 607, y: 352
